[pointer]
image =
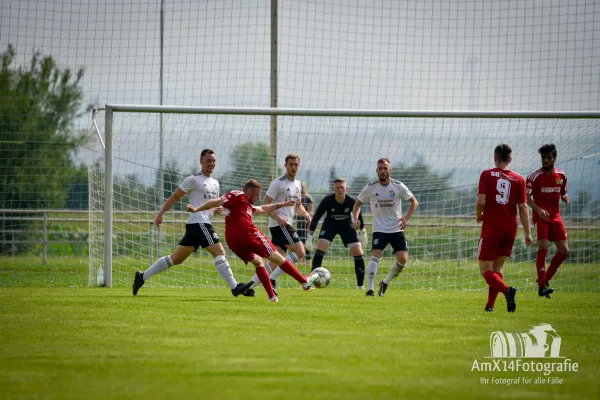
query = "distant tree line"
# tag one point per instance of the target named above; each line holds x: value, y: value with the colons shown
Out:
x: 39, y: 103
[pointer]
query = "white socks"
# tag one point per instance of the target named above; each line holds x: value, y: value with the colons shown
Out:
x: 268, y: 267
x: 394, y: 272
x: 255, y: 277
x: 276, y: 273
x: 291, y: 257
x: 162, y: 264
x: 371, y: 272
x: 225, y: 271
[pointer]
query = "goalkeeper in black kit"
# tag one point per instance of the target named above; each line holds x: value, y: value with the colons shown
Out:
x: 338, y: 207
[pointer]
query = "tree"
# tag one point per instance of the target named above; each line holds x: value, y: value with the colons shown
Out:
x: 172, y: 177
x: 578, y: 205
x: 358, y: 183
x: 595, y: 209
x: 250, y: 161
x: 332, y: 176
x: 37, y: 108
x: 432, y: 190
x: 463, y: 201
x: 129, y: 193
x: 78, y: 198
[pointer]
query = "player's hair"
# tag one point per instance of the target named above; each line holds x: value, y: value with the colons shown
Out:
x: 339, y: 180
x: 383, y: 159
x: 205, y: 152
x: 548, y: 148
x: 252, y: 184
x: 290, y: 156
x: 502, y: 152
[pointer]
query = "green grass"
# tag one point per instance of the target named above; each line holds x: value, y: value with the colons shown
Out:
x: 199, y: 271
x: 324, y: 344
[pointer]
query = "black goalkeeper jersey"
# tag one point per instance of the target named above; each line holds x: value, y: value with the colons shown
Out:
x: 339, y: 215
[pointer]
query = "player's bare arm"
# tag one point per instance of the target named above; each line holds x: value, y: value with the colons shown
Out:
x: 540, y: 211
x: 269, y: 208
x: 311, y: 208
x: 355, y: 211
x: 565, y: 198
x: 219, y: 211
x: 479, y: 206
x: 524, y: 216
x: 300, y: 210
x: 206, y: 206
x: 174, y: 198
x: 280, y: 220
x: 411, y: 210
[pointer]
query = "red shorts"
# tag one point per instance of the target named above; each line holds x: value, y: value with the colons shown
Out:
x: 552, y: 231
x: 492, y: 247
x: 247, y: 246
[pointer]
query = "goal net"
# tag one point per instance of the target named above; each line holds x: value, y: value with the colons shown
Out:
x: 439, y: 159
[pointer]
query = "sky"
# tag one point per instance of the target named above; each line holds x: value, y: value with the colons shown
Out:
x: 410, y: 55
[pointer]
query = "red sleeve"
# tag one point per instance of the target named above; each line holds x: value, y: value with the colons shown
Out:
x: 482, y: 184
x: 233, y: 199
x: 563, y: 189
x: 529, y: 186
x: 229, y: 200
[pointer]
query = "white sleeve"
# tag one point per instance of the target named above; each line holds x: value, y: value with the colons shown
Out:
x: 364, y: 195
x: 188, y: 184
x: 404, y: 192
x: 218, y: 189
x: 273, y: 189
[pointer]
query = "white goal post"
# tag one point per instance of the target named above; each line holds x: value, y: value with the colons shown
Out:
x: 452, y: 130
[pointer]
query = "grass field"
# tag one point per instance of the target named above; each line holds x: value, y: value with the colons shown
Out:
x: 199, y: 271
x: 323, y: 344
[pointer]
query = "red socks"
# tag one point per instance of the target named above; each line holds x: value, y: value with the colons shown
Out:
x: 495, y: 281
x: 493, y: 293
x: 263, y: 275
x: 540, y: 266
x: 292, y: 271
x: 554, y: 264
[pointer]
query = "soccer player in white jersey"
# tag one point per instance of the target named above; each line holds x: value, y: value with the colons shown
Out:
x: 283, y: 233
x: 198, y: 229
x: 385, y: 197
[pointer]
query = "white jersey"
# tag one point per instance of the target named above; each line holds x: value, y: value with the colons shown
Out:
x: 386, y: 204
x: 283, y: 189
x: 200, y: 189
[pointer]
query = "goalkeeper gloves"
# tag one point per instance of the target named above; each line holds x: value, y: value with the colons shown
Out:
x: 309, y: 242
x: 362, y: 236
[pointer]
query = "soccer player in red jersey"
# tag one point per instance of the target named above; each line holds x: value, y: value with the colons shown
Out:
x: 501, y: 193
x: 244, y: 238
x: 546, y: 186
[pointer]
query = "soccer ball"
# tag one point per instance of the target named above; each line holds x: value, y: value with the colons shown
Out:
x: 324, y: 278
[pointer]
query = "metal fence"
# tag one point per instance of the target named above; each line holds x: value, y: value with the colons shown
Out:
x: 49, y: 231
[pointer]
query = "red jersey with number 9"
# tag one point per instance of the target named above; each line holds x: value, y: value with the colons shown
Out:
x: 238, y: 214
x: 504, y: 189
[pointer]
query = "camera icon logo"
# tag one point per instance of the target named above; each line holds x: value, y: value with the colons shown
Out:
x: 541, y: 341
